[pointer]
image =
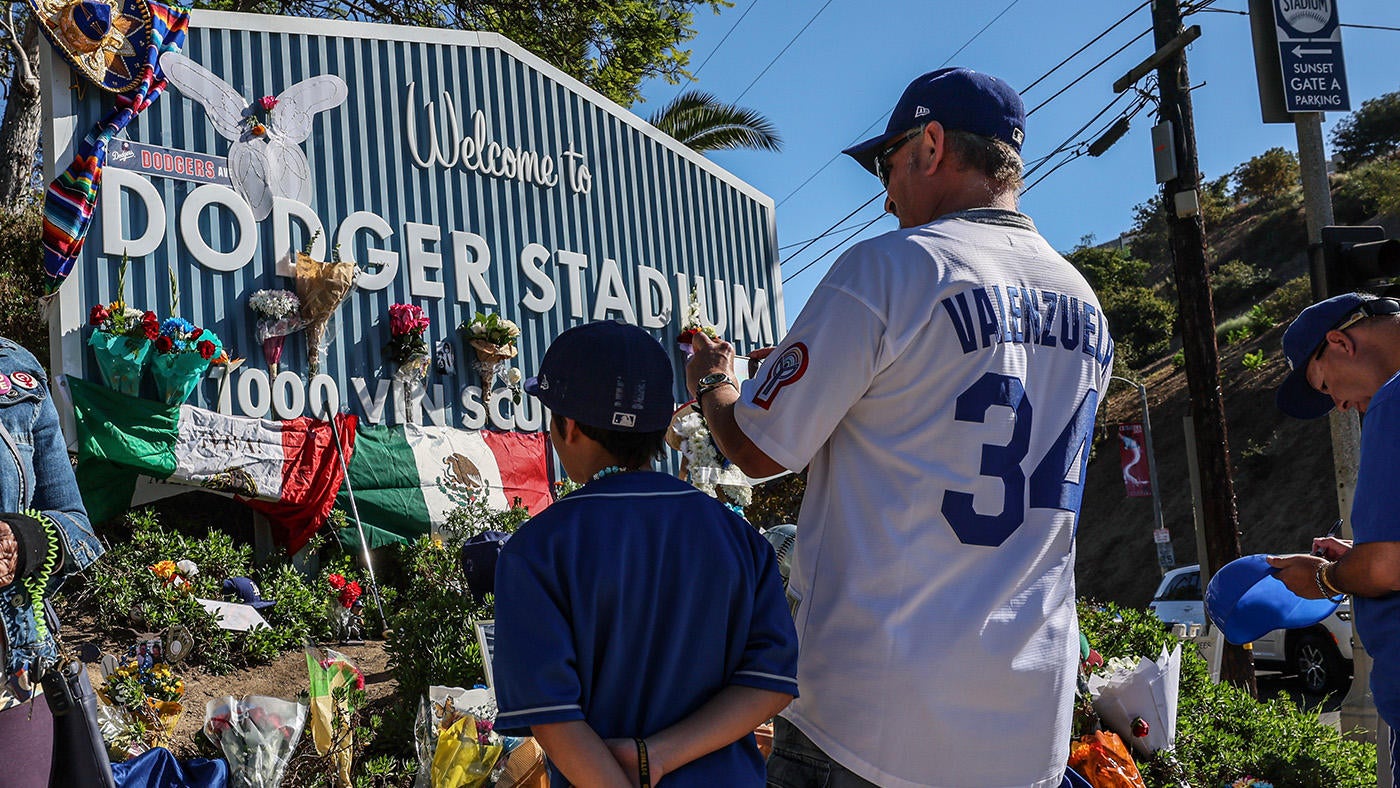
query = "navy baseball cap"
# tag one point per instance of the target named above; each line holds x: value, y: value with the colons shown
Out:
x: 959, y: 98
x: 1306, y: 334
x: 247, y: 591
x: 609, y: 375
x: 1247, y: 601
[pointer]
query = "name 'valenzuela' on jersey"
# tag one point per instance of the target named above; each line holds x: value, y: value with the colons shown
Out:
x: 1025, y: 315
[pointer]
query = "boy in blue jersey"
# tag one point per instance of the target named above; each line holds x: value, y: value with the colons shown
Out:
x: 641, y: 627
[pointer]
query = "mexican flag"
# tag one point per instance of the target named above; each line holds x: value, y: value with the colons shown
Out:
x: 287, y: 469
x: 408, y: 478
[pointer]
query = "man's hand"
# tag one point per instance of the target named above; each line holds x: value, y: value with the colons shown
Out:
x: 711, y: 355
x: 1299, y: 573
x: 9, y: 555
x: 1330, y: 547
x: 625, y: 751
x: 757, y: 356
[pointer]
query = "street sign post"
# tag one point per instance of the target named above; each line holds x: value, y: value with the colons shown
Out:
x: 1310, y: 53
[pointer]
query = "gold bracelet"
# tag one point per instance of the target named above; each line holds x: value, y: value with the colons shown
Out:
x: 1325, y: 583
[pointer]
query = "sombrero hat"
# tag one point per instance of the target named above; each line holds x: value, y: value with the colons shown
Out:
x: 105, y: 40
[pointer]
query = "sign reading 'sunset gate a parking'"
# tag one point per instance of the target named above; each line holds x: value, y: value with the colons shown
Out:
x: 459, y: 172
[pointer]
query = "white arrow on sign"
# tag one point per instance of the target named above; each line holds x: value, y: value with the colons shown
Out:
x: 1298, y: 51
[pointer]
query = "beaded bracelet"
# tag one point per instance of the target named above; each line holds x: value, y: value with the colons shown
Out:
x: 1323, y: 584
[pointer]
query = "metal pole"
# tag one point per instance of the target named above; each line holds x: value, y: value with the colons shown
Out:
x: 355, y: 512
x: 1157, y: 522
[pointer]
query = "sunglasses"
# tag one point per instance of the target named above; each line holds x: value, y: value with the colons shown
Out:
x: 1380, y: 306
x: 882, y: 159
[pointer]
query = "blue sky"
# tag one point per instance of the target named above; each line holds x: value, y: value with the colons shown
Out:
x: 838, y: 80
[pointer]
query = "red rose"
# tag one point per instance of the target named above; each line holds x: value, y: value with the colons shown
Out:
x: 98, y: 314
x: 164, y: 344
x: 1140, y: 727
x: 150, y: 325
x: 349, y: 594
x: 337, y: 581
x: 206, y: 349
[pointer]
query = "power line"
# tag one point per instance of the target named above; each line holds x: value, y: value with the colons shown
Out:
x: 1076, y: 154
x: 690, y: 79
x: 832, y: 231
x: 1091, y: 70
x: 861, y: 135
x: 1065, y: 145
x: 1343, y: 24
x: 1093, y: 41
x: 843, y: 242
x: 829, y: 230
x: 790, y: 42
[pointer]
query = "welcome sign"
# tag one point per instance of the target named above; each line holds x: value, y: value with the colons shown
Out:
x: 458, y: 171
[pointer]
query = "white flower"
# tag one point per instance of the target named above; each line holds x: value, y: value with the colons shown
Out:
x: 513, y: 377
x: 478, y: 329
x: 512, y: 330
x: 274, y: 304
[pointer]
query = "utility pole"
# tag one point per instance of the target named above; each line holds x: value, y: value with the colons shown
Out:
x: 1186, y: 230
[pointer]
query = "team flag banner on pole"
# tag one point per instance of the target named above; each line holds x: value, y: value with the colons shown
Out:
x: 408, y: 478
x: 1132, y: 454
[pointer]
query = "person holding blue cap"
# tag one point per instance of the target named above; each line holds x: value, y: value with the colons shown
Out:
x: 1345, y: 353
x: 641, y: 627
x: 941, y: 384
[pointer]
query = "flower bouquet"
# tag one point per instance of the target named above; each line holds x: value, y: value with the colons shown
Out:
x: 257, y: 736
x: 1138, y: 699
x: 694, y: 324
x: 493, y: 339
x: 322, y: 287
x: 279, y: 315
x: 711, y: 472
x: 184, y: 354
x: 407, y: 347
x: 121, y: 340
x: 141, y: 706
x: 337, y: 689
x: 342, y: 608
x: 456, y: 740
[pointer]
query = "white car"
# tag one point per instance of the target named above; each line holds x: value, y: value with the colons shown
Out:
x: 1319, y: 654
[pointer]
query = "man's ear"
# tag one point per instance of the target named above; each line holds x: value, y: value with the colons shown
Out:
x: 935, y: 141
x: 1341, y: 342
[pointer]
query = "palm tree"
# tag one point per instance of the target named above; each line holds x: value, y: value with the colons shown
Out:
x: 703, y: 123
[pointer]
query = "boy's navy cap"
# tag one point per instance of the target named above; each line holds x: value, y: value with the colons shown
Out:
x: 1302, y: 339
x: 609, y: 375
x: 1247, y: 601
x: 247, y: 591
x: 959, y: 98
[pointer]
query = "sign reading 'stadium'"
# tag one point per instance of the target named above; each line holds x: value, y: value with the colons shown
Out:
x: 459, y: 172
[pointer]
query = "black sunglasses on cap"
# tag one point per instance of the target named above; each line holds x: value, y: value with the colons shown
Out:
x: 882, y: 159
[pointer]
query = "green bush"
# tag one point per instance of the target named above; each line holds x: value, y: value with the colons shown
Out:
x: 1369, y: 189
x: 22, y: 278
x: 126, y: 589
x: 1287, y: 301
x: 476, y: 516
x: 1254, y: 360
x: 1222, y: 734
x: 1236, y: 282
x: 434, y: 638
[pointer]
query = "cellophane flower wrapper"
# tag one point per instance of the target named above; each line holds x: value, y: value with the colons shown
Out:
x: 322, y: 288
x: 491, y: 363
x: 177, y: 375
x: 461, y: 760
x: 1148, y: 690
x: 120, y: 360
x: 328, y: 672
x: 257, y: 736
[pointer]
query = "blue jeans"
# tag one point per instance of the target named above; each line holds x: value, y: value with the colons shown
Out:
x: 798, y: 763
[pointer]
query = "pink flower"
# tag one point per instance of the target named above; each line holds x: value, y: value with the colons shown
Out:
x: 267, y: 103
x: 406, y: 318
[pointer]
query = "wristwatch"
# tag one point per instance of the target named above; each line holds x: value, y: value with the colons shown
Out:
x: 711, y: 382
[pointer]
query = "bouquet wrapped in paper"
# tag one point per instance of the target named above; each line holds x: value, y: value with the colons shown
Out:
x: 257, y: 736
x: 493, y: 339
x: 279, y: 315
x: 456, y: 741
x: 121, y: 340
x: 1138, y: 700
x: 183, y: 356
x: 337, y: 688
x: 322, y: 288
x: 141, y: 705
x: 407, y: 348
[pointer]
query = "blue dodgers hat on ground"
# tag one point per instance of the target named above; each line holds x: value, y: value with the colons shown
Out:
x: 959, y: 98
x: 1247, y: 600
x: 247, y: 591
x: 608, y: 375
x: 1306, y: 334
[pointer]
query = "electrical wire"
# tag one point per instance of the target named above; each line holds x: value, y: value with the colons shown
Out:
x: 1342, y: 24
x: 1065, y: 145
x: 1091, y: 70
x: 834, y: 230
x: 876, y: 122
x: 790, y: 42
x: 1092, y: 41
x: 843, y: 242
x: 830, y: 231
x: 689, y: 80
x: 1076, y: 154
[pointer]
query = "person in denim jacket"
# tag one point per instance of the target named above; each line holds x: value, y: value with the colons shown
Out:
x: 45, y: 537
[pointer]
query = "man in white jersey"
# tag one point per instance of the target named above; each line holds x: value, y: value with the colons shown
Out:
x: 940, y: 385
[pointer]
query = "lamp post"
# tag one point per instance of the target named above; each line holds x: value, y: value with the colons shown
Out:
x: 1151, y: 457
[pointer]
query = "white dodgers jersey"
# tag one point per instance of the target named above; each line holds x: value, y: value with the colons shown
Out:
x: 941, y: 384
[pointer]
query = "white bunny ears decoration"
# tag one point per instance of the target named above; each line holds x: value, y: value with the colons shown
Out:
x: 265, y: 160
